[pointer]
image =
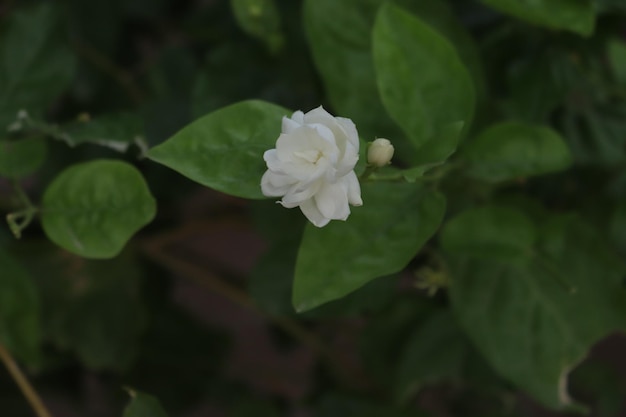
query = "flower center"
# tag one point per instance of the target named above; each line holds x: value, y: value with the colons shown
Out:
x: 311, y: 156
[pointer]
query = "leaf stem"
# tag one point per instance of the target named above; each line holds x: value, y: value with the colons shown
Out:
x: 157, y: 250
x: 106, y: 65
x: 20, y: 220
x: 22, y: 382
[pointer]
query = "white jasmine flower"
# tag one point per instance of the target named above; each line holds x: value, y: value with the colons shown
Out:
x: 380, y: 153
x: 312, y: 166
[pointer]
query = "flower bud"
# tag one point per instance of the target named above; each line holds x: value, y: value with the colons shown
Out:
x: 380, y: 153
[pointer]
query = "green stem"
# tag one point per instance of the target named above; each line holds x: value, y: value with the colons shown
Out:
x: 19, y: 220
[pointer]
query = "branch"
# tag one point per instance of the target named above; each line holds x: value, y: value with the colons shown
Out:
x: 20, y: 379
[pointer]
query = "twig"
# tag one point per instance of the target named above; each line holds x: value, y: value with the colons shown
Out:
x: 155, y: 248
x: 109, y: 67
x: 22, y: 382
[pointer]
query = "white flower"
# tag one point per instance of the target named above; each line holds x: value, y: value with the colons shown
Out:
x: 380, y: 152
x: 313, y: 166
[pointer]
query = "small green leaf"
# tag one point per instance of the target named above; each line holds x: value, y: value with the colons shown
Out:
x: 20, y: 158
x: 35, y: 64
x: 94, y: 208
x: 19, y: 310
x: 573, y: 15
x: 423, y: 83
x: 490, y: 232
x: 535, y: 320
x: 435, y: 352
x: 260, y: 19
x: 143, y: 405
x: 224, y: 150
x: 511, y: 150
x: 343, y: 256
x: 617, y: 59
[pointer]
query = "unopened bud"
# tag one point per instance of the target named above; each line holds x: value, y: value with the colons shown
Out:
x: 380, y: 153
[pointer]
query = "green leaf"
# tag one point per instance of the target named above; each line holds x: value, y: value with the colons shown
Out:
x: 35, y: 64
x: 341, y: 48
x: 116, y: 131
x: 573, y: 15
x: 511, y: 150
x: 343, y: 256
x: 617, y: 60
x: 440, y: 15
x: 20, y: 158
x: 19, y: 310
x: 436, y: 352
x: 491, y: 232
x: 422, y: 82
x: 94, y: 208
x: 260, y: 19
x: 143, y: 405
x: 535, y: 320
x: 597, y: 135
x: 103, y: 323
x: 224, y: 150
x: 385, y: 335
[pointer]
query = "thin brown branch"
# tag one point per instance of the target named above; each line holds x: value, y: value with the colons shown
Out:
x: 22, y: 382
x: 155, y: 248
x: 106, y: 65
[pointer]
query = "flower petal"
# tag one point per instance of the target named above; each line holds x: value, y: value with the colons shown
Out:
x: 310, y: 210
x: 348, y: 161
x: 275, y: 185
x: 332, y: 201
x: 349, y: 128
x: 354, y: 189
x: 298, y: 117
x: 289, y: 125
x: 272, y: 161
x: 299, y: 193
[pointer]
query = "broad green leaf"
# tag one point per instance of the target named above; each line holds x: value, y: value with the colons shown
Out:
x: 19, y: 158
x: 19, y: 310
x: 436, y: 351
x: 94, y: 208
x: 491, y: 232
x: 260, y: 19
x: 440, y: 15
x: 271, y: 283
x: 511, y: 150
x: 143, y: 405
x: 534, y: 321
x: 573, y: 15
x: 343, y: 256
x: 423, y: 83
x: 35, y: 64
x: 342, y: 52
x: 617, y: 59
x: 224, y: 150
x: 341, y: 48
